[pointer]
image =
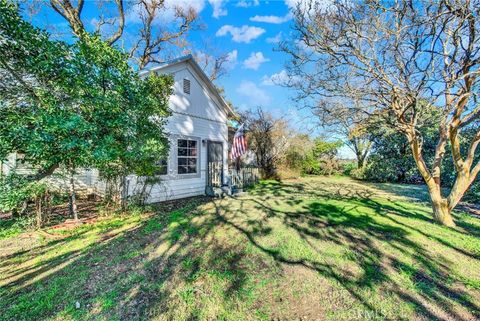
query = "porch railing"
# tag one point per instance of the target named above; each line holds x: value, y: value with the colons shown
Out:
x: 244, y: 177
x: 238, y: 178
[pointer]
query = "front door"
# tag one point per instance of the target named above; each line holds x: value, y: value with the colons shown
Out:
x: 215, y: 163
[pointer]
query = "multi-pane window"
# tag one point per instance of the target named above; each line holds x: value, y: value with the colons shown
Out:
x: 162, y: 167
x: 187, y: 156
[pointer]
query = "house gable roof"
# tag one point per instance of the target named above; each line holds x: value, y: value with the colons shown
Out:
x: 198, y: 70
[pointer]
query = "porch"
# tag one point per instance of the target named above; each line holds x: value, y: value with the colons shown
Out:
x: 231, y: 181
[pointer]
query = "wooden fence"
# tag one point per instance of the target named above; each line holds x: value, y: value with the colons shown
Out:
x: 241, y: 178
x: 244, y: 177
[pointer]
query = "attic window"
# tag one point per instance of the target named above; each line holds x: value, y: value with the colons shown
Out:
x: 186, y: 86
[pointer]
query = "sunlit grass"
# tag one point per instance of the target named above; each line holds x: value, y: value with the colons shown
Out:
x: 316, y: 248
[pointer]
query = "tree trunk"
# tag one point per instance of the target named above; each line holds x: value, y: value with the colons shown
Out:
x: 38, y: 209
x: 48, y: 206
x: 441, y: 211
x: 24, y: 208
x: 73, y: 200
x: 460, y: 187
x: 360, y: 161
x: 124, y: 193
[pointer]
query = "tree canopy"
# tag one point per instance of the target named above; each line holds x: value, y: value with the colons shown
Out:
x: 77, y: 105
x: 392, y: 60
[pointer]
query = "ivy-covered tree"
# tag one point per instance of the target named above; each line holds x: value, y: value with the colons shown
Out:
x: 76, y: 105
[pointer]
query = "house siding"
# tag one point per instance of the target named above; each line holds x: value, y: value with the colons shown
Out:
x: 198, y: 116
x: 86, y: 180
x: 13, y: 163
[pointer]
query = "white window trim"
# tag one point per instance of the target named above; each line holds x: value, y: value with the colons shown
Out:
x: 198, y: 174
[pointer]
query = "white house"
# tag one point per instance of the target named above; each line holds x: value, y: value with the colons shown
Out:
x: 197, y: 129
x: 198, y: 134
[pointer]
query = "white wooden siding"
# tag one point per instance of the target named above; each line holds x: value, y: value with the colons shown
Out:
x: 200, y: 102
x: 197, y: 114
x: 13, y: 163
x: 86, y: 180
x: 194, y: 115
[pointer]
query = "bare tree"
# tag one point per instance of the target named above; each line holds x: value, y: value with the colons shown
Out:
x: 149, y: 44
x: 214, y: 60
x: 349, y: 124
x: 399, y: 56
x: 267, y: 138
x: 213, y: 66
x: 71, y: 13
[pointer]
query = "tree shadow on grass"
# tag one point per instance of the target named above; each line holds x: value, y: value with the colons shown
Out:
x: 171, y: 265
x: 195, y: 262
x: 382, y: 243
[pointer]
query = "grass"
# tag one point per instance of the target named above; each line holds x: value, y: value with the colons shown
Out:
x: 311, y: 249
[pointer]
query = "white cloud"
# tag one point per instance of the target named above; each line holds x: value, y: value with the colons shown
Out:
x: 276, y: 39
x: 248, y: 3
x: 279, y: 79
x: 241, y: 34
x: 275, y: 79
x: 255, y: 60
x: 231, y: 59
x: 272, y: 19
x: 218, y: 9
x: 256, y: 96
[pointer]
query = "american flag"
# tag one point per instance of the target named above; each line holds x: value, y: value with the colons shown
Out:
x: 239, y: 146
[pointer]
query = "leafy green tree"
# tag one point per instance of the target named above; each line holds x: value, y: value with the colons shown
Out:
x: 322, y: 159
x: 299, y: 147
x: 77, y: 105
x: 392, y: 57
x: 391, y: 157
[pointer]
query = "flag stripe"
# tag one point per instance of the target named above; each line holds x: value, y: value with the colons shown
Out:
x: 239, y: 146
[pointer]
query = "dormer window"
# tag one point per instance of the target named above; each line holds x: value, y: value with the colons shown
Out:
x: 186, y: 86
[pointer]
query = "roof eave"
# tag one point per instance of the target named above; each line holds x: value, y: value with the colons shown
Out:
x: 189, y: 59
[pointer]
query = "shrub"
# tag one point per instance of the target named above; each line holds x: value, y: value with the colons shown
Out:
x: 322, y: 159
x: 289, y: 173
x: 358, y: 173
x: 311, y: 165
x: 16, y: 190
x: 9, y: 228
x: 473, y: 194
x: 347, y: 167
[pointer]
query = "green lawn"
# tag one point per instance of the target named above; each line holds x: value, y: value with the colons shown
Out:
x: 308, y: 249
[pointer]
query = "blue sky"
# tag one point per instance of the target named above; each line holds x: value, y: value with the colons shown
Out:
x: 253, y: 33
x: 249, y: 30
